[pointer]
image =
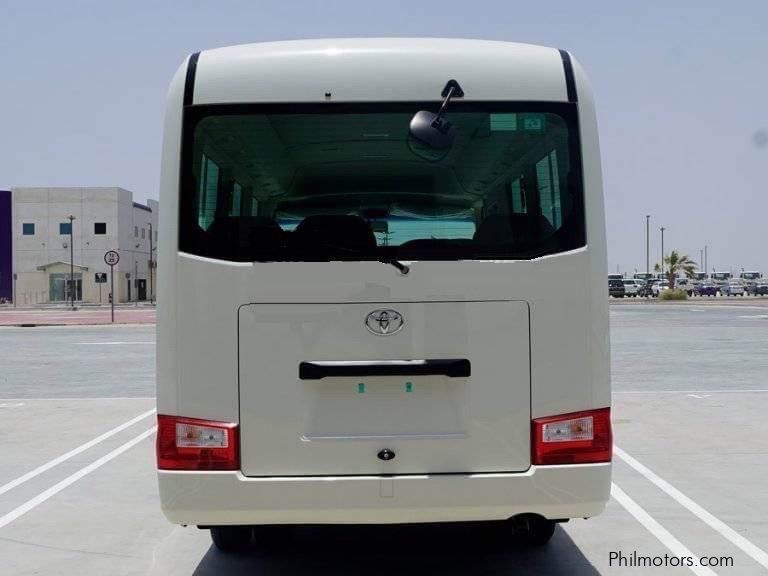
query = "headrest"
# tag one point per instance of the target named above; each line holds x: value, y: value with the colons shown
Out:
x: 344, y: 231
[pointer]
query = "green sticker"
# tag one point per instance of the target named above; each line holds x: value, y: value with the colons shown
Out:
x: 361, y: 388
x: 409, y: 386
x: 534, y: 122
x: 503, y: 122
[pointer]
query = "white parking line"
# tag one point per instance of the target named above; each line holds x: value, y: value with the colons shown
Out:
x: 71, y: 479
x: 712, y: 521
x: 713, y: 391
x: 662, y: 534
x: 74, y: 452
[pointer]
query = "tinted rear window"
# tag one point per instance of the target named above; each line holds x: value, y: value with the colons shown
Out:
x: 348, y: 182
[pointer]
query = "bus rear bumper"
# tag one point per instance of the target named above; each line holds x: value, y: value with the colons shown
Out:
x: 220, y: 498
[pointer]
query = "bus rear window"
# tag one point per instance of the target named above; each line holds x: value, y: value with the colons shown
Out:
x: 348, y: 182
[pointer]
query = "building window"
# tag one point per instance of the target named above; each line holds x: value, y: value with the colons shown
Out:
x: 143, y: 234
x: 65, y: 228
x: 155, y: 235
x: 28, y: 229
x: 135, y: 231
x: 99, y: 227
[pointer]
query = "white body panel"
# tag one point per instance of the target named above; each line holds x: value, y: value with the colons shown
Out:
x: 210, y: 364
x: 215, y: 498
x: 377, y: 69
x: 436, y: 424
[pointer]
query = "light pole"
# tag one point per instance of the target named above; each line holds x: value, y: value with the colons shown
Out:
x: 647, y: 247
x: 72, y: 260
x: 136, y: 276
x: 151, y: 266
x: 662, y: 250
x: 705, y: 258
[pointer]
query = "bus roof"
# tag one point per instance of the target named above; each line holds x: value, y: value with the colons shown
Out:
x: 380, y: 69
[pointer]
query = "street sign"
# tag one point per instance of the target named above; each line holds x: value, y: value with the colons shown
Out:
x: 100, y: 277
x: 111, y: 257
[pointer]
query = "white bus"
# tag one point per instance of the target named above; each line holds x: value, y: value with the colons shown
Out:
x: 362, y: 316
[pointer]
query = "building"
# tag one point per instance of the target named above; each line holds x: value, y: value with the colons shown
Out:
x: 6, y: 247
x: 46, y: 240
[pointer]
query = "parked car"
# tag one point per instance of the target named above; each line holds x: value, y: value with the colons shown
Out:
x: 758, y: 288
x: 616, y: 288
x: 645, y: 288
x: 686, y: 284
x: 658, y: 287
x: 706, y: 288
x: 648, y: 288
x: 734, y: 287
x: 632, y: 286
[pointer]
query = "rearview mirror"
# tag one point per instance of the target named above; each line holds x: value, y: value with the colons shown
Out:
x: 432, y: 130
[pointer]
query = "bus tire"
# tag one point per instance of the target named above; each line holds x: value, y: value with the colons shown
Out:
x: 532, y: 530
x: 232, y: 539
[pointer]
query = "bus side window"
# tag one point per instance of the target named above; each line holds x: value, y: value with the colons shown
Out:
x: 210, y: 176
x: 517, y: 198
x: 549, y: 188
x: 237, y: 192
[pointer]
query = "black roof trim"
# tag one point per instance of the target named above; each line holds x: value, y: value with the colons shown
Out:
x: 189, y: 82
x: 142, y: 207
x: 570, y: 82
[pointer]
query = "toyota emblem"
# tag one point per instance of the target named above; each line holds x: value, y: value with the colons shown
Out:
x: 384, y: 322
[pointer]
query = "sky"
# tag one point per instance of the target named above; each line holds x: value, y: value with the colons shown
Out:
x: 681, y: 91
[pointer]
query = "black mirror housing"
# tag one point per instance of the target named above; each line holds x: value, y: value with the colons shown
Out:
x: 432, y: 130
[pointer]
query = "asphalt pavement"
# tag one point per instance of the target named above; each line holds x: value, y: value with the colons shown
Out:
x: 78, y: 493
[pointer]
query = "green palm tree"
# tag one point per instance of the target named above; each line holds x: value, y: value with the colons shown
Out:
x: 676, y: 263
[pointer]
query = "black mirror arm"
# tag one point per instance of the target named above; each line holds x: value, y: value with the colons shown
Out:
x: 451, y: 89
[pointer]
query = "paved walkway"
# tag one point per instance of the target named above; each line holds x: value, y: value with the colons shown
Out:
x: 66, y: 316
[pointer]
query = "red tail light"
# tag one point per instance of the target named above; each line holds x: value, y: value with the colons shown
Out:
x: 575, y: 438
x: 192, y: 444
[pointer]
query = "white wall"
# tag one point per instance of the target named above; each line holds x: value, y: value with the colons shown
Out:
x: 135, y: 223
x: 47, y: 208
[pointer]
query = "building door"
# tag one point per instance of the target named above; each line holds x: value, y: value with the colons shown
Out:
x: 56, y: 287
x: 128, y: 281
x: 141, y: 289
x: 60, y: 287
x: 75, y: 284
